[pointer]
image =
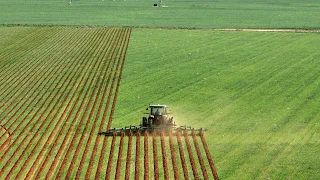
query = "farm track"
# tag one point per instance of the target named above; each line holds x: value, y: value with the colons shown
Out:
x: 69, y: 90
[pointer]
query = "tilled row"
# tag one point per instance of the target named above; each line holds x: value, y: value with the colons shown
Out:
x: 186, y: 148
x: 84, y: 80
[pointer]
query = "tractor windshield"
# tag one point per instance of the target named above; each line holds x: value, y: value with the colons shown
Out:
x: 157, y: 110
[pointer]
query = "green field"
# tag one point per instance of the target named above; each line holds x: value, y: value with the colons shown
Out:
x: 179, y: 13
x: 256, y: 92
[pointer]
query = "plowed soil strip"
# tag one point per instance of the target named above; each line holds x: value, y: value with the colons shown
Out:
x: 74, y: 120
x: 109, y: 167
x: 112, y: 109
x: 146, y: 160
x: 93, y: 155
x: 193, y: 164
x: 52, y: 133
x: 20, y: 145
x: 203, y: 168
x: 97, y: 176
x: 164, y: 157
x: 7, y: 141
x: 137, y: 163
x: 31, y: 87
x: 15, y: 114
x: 20, y: 78
x: 128, y: 160
x: 183, y: 161
x: 155, y: 156
x: 91, y: 133
x: 82, y: 136
x: 213, y: 168
x: 21, y: 65
x: 33, y: 138
x: 118, y: 169
x: 65, y: 112
x: 173, y: 158
x: 79, y: 124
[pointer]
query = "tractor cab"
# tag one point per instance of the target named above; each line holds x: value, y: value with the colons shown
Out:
x: 158, y: 115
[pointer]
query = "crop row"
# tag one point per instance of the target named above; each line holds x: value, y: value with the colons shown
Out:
x: 186, y: 155
x: 63, y: 101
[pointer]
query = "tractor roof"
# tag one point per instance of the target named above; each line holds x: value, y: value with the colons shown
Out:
x: 158, y: 105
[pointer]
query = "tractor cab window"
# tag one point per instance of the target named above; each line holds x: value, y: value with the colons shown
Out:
x: 157, y: 110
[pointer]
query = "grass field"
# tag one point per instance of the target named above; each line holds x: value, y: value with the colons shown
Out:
x: 179, y: 13
x: 257, y: 92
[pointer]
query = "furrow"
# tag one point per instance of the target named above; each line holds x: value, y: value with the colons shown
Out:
x: 173, y: 158
x: 74, y: 120
x: 34, y: 136
x: 118, y: 168
x: 128, y: 160
x: 20, y: 145
x: 146, y: 159
x: 155, y: 156
x: 65, y: 110
x: 91, y: 133
x: 74, y: 137
x: 164, y: 157
x: 193, y: 164
x: 110, y: 157
x: 183, y: 161
x: 202, y: 165
x: 137, y: 160
x: 213, y: 168
x: 41, y: 85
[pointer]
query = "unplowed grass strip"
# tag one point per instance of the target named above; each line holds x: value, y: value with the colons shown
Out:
x: 173, y: 158
x: 128, y: 159
x: 183, y: 161
x: 213, y: 168
x: 202, y: 165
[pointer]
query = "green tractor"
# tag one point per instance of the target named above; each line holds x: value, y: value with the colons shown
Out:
x: 157, y: 121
